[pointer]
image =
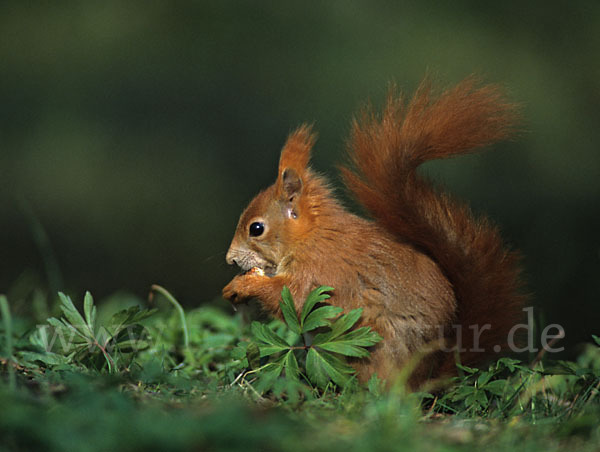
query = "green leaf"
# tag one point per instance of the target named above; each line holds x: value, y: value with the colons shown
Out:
x: 66, y: 331
x: 462, y: 392
x: 292, y: 390
x: 362, y: 336
x: 267, y: 335
x: 318, y: 295
x: 133, y: 345
x: 316, y: 369
x: 496, y: 387
x: 253, y: 355
x: 319, y: 317
x: 267, y: 350
x: 126, y: 317
x: 561, y: 367
x: 289, y: 310
x: 339, y: 327
x: 269, y: 373
x: 596, y: 339
x: 467, y: 369
x: 351, y: 343
x: 291, y: 366
x: 72, y: 314
x: 239, y: 351
x: 483, y: 378
x: 90, y: 311
x: 476, y: 399
x: 271, y: 342
x: 510, y: 364
x: 322, y: 367
x: 131, y: 339
x: 120, y: 318
x: 344, y: 348
x: 49, y: 358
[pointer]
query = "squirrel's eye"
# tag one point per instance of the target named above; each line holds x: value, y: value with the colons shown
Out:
x: 257, y: 229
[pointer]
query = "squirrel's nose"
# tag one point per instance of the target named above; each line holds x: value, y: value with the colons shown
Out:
x: 230, y: 257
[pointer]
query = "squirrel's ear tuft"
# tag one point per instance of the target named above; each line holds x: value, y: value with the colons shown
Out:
x: 294, y: 161
x: 296, y: 152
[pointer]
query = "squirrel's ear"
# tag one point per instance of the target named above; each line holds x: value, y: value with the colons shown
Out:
x: 291, y: 184
x: 294, y: 161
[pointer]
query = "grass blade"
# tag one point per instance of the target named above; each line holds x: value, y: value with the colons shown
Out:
x: 7, y: 320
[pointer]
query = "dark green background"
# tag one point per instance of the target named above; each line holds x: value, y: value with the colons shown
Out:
x: 136, y: 132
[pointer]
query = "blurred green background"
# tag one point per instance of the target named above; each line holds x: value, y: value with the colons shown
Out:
x: 132, y: 134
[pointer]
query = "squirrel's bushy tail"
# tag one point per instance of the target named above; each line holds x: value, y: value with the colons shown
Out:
x: 386, y: 150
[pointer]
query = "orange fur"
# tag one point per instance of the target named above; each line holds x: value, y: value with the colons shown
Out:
x: 296, y: 152
x: 422, y: 266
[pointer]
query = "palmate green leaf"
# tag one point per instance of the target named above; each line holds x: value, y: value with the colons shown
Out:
x: 318, y: 295
x: 323, y: 367
x: 323, y: 361
x: 90, y: 311
x: 72, y: 315
x: 288, y: 310
x: 85, y: 340
x: 320, y: 317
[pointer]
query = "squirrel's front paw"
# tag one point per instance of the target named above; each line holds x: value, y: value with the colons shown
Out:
x: 239, y: 289
x: 230, y: 291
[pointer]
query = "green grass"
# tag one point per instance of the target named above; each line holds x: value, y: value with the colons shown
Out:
x: 133, y: 378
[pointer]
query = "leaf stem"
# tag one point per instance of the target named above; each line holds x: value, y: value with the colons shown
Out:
x: 109, y: 360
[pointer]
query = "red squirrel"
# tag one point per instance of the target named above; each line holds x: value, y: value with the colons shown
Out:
x: 424, y: 268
